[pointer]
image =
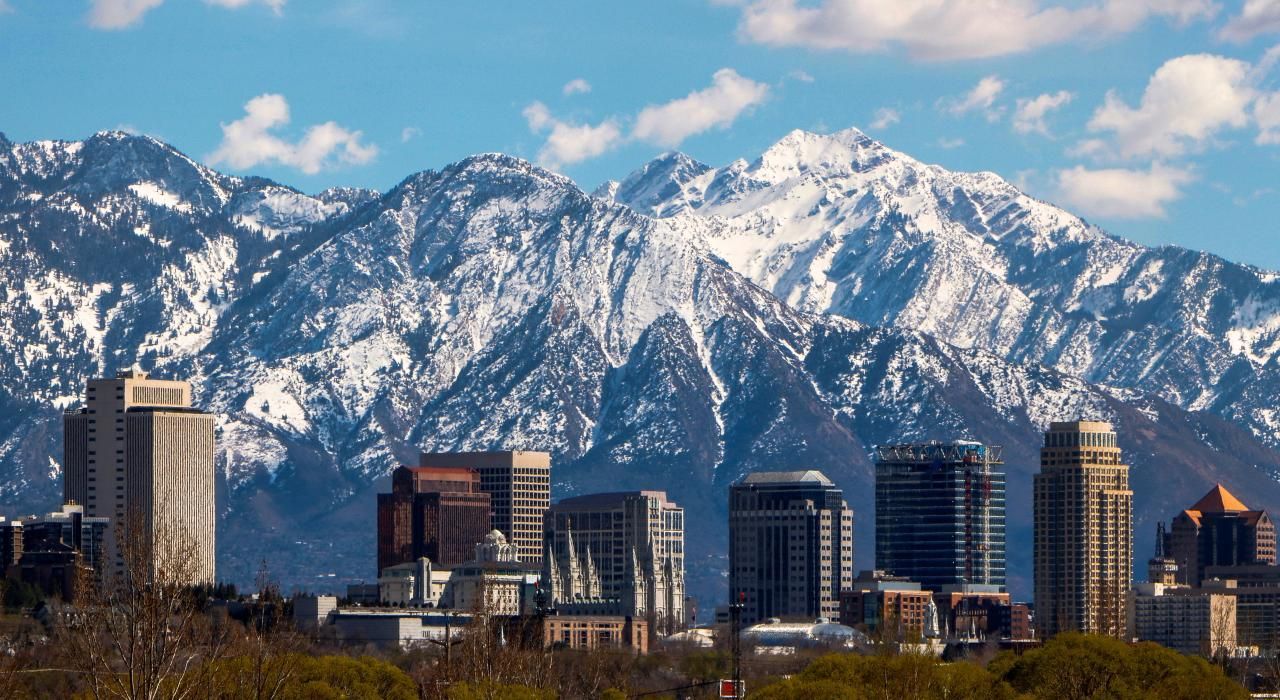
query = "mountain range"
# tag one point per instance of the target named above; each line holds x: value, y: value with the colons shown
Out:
x: 674, y: 330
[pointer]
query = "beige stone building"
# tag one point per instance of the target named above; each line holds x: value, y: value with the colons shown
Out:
x: 494, y: 581
x: 589, y: 633
x: 519, y: 486
x: 1083, y: 531
x: 1189, y: 620
x: 138, y: 449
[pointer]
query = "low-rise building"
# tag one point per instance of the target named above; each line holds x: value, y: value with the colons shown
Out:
x: 1019, y: 621
x: 416, y: 584
x: 397, y: 628
x: 1256, y: 589
x: 590, y: 632
x: 362, y: 593
x: 54, y: 547
x: 884, y: 604
x: 971, y: 611
x: 311, y: 612
x: 774, y: 636
x: 495, y: 580
x: 1189, y: 620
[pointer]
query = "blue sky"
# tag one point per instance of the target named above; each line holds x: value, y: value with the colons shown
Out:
x: 1157, y: 119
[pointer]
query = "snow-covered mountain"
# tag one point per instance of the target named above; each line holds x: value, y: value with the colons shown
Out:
x: 494, y: 304
x: 842, y: 224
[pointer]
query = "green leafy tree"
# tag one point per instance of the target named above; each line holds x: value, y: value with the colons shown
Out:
x: 1091, y: 667
x: 886, y: 677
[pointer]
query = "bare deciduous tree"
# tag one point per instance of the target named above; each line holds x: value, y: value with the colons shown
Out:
x: 135, y: 630
x: 265, y: 657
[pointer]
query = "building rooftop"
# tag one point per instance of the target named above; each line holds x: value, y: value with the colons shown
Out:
x: 966, y: 451
x: 598, y: 500
x: 1219, y: 500
x: 1084, y: 426
x: 805, y: 476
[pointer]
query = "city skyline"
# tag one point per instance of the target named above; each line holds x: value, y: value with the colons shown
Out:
x: 749, y: 348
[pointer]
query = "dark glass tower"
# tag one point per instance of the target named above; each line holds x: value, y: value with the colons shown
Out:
x: 940, y: 513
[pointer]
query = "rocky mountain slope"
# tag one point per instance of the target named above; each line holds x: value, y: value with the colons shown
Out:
x: 494, y: 304
x: 842, y: 224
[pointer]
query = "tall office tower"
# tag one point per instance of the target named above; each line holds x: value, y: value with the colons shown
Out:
x: 790, y: 545
x: 520, y: 486
x: 137, y: 448
x: 940, y: 514
x: 437, y: 513
x: 1083, y: 531
x: 634, y: 540
x: 1219, y: 530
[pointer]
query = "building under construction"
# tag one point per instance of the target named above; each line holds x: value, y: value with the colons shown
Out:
x: 940, y: 513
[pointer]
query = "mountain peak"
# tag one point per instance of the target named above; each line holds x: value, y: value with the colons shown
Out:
x: 842, y: 152
x: 664, y: 185
x: 607, y: 190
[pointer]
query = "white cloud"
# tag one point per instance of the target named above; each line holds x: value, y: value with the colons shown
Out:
x: 248, y: 141
x: 951, y: 29
x: 1030, y: 113
x: 668, y: 124
x: 1120, y: 193
x: 569, y: 143
x: 1266, y: 111
x: 276, y: 6
x: 119, y: 14
x: 577, y: 86
x: 802, y: 76
x: 409, y: 133
x: 1188, y: 101
x: 982, y: 97
x: 885, y: 117
x: 719, y: 105
x: 950, y: 144
x: 1256, y: 17
x: 5, y: 7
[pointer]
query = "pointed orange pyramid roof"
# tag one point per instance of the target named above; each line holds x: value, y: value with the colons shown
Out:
x: 1219, y: 500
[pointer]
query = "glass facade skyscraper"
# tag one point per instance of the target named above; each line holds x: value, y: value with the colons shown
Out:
x: 940, y: 513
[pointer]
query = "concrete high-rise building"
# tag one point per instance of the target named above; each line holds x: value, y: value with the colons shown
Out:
x: 138, y: 450
x: 1219, y: 530
x: 519, y: 484
x: 1083, y: 531
x: 790, y: 545
x: 940, y: 513
x: 630, y: 543
x: 437, y: 513
x: 170, y: 484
